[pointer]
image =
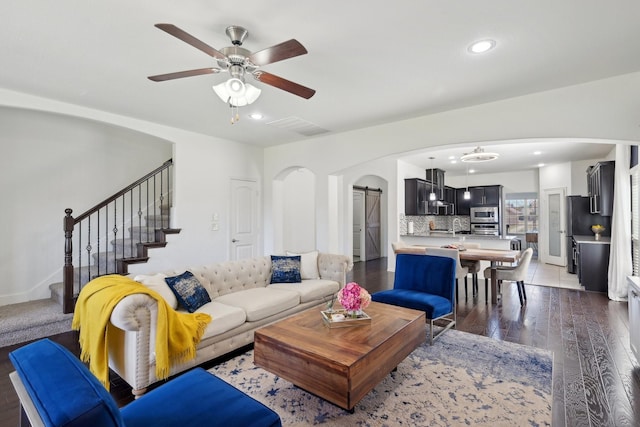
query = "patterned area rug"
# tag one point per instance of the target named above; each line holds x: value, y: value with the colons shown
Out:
x: 461, y: 380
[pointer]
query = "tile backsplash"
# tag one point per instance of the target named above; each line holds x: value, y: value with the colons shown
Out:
x: 442, y: 222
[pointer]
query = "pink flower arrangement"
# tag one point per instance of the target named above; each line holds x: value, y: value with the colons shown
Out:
x: 353, y: 297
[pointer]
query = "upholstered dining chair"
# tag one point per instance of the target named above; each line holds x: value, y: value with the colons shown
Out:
x: 516, y: 274
x: 473, y: 267
x: 461, y: 272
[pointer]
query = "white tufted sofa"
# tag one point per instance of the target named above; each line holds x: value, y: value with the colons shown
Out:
x: 243, y: 300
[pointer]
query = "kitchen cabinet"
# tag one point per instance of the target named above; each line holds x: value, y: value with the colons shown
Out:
x: 416, y: 197
x: 600, y: 184
x: 592, y: 259
x: 462, y: 205
x: 486, y: 195
x: 436, y: 177
x: 634, y: 315
x: 450, y: 197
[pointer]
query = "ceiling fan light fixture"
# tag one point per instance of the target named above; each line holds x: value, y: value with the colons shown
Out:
x: 235, y: 87
x: 248, y: 95
x: 479, y: 155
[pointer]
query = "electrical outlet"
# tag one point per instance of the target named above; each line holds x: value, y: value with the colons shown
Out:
x: 215, y: 226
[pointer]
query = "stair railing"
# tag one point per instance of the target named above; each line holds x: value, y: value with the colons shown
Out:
x: 103, y: 226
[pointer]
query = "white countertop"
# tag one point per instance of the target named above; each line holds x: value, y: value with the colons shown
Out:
x: 443, y: 235
x: 592, y: 239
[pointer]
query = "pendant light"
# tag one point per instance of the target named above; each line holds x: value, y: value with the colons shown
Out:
x: 432, y: 195
x: 467, y: 194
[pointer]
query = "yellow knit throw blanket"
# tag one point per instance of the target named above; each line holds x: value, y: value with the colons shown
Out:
x: 177, y: 334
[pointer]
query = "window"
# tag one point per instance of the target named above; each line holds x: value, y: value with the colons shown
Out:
x: 521, y: 213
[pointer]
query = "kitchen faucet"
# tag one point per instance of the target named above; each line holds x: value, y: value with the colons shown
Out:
x: 453, y: 226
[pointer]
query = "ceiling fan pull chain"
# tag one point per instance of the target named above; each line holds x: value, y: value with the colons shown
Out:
x: 235, y: 116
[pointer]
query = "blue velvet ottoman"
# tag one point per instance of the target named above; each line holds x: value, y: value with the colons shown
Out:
x: 62, y: 392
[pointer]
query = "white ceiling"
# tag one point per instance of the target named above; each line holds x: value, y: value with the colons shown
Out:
x: 513, y: 156
x: 370, y: 62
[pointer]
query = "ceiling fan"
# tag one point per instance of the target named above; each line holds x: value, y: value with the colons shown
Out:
x: 239, y: 62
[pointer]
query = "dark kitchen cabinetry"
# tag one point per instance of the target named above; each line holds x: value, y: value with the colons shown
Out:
x: 600, y: 179
x: 487, y: 195
x: 462, y: 205
x: 593, y: 265
x: 436, y: 177
x: 450, y: 195
x: 416, y: 196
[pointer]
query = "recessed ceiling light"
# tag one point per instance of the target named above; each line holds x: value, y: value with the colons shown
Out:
x: 537, y: 153
x: 482, y: 46
x: 472, y: 170
x: 256, y: 116
x: 540, y: 165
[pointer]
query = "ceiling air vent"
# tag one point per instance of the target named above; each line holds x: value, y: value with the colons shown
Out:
x: 295, y: 124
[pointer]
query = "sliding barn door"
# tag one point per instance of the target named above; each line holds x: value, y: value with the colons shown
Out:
x: 372, y: 224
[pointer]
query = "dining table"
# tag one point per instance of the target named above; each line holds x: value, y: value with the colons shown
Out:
x: 495, y: 256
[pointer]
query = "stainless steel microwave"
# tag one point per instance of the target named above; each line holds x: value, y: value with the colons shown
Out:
x: 485, y: 214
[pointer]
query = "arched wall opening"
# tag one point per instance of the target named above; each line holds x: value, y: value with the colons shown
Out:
x: 294, y: 203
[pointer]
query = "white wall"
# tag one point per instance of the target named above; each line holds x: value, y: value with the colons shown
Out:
x: 204, y: 168
x: 101, y: 143
x: 299, y: 211
x: 550, y: 116
x: 205, y: 165
x: 53, y: 162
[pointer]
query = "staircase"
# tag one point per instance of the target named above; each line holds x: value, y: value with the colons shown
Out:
x: 142, y: 209
x: 133, y: 249
x: 41, y: 318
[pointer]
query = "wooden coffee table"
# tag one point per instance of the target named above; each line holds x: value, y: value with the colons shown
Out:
x: 341, y: 365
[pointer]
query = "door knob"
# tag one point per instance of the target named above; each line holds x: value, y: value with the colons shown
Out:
x: 234, y: 240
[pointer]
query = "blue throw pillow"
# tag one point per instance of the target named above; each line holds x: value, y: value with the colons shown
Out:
x: 189, y: 292
x: 285, y: 269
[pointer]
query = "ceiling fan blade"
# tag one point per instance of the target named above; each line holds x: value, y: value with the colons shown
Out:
x: 181, y: 74
x: 284, y: 50
x: 284, y: 84
x: 188, y: 38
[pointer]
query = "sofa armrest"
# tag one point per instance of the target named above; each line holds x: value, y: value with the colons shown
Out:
x: 135, y: 312
x: 334, y: 267
x: 132, y: 343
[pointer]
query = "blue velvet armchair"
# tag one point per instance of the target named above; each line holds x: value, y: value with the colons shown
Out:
x: 56, y: 389
x: 426, y: 283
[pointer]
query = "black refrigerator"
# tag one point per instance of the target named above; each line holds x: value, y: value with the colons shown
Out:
x: 579, y: 222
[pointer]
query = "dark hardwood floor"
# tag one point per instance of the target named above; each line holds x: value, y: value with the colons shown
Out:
x: 596, y: 377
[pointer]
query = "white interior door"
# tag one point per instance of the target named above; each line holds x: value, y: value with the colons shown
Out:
x: 358, y: 225
x: 244, y: 219
x: 555, y: 245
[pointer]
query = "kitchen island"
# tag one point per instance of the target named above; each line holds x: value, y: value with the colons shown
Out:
x: 442, y: 238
